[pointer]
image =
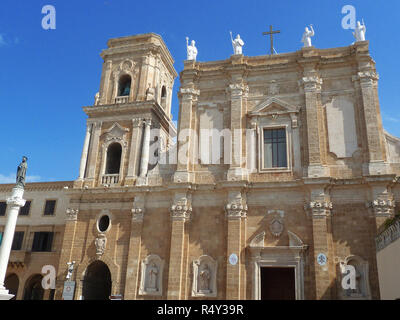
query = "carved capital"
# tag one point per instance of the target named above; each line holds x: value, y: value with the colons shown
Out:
x: 180, y: 212
x: 236, y: 210
x: 137, y: 122
x: 189, y: 93
x: 15, y: 202
x: 366, y: 78
x: 71, y: 214
x: 137, y: 215
x: 381, y: 207
x: 237, y: 90
x: 312, y: 83
x: 319, y: 209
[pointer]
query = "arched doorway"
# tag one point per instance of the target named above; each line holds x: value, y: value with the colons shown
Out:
x: 34, y: 289
x: 97, y: 282
x: 12, y: 283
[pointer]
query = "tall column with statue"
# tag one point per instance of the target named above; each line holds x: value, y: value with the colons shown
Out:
x: 14, y: 203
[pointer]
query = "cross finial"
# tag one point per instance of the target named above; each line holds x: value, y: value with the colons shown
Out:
x: 270, y: 33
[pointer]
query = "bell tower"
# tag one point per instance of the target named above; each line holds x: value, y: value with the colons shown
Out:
x: 131, y: 111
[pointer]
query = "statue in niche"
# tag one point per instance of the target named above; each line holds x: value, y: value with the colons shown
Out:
x: 21, y: 172
x: 97, y: 99
x: 204, y: 279
x: 152, y: 278
x: 307, y: 36
x: 150, y: 93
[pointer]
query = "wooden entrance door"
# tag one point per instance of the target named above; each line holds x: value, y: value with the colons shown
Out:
x: 278, y: 283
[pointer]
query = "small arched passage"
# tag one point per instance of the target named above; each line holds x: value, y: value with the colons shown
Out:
x: 33, y: 288
x: 124, y: 85
x: 12, y: 283
x: 113, y: 162
x: 97, y: 282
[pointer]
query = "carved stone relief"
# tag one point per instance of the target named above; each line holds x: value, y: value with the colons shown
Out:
x: 151, y: 276
x: 204, y: 277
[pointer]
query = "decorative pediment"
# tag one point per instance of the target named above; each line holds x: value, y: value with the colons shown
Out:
x: 273, y: 106
x: 116, y: 131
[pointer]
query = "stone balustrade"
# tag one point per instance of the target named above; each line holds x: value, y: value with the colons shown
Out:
x: 388, y: 236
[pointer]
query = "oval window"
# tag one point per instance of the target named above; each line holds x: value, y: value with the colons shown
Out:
x: 103, y: 223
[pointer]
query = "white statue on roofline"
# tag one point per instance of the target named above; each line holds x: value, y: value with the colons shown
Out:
x: 307, y: 36
x: 191, y: 50
x: 359, y: 32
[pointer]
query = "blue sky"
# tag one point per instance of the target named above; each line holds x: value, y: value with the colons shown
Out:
x: 48, y: 75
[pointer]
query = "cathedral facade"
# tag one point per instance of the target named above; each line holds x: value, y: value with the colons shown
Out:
x: 279, y: 175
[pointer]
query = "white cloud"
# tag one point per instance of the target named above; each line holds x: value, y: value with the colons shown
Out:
x: 11, y: 178
x: 2, y: 41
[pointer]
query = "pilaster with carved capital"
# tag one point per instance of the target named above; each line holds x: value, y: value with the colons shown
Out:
x: 381, y: 207
x: 319, y: 209
x: 71, y: 214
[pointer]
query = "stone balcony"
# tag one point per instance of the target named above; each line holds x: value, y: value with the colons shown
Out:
x: 121, y: 99
x: 388, y: 236
x: 110, y: 179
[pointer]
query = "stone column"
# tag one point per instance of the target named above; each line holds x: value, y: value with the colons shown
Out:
x: 15, y: 202
x: 236, y: 211
x: 144, y: 157
x: 105, y: 83
x: 251, y: 137
x: 180, y: 214
x: 319, y: 208
x: 134, y: 152
x: 94, y: 151
x: 85, y: 150
x: 186, y: 137
x: 366, y: 83
x: 144, y: 78
x: 66, y: 254
x: 312, y: 91
x: 135, y: 242
x: 238, y: 92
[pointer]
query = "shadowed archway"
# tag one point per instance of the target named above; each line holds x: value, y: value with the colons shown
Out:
x: 97, y: 282
x: 12, y: 284
x: 34, y: 289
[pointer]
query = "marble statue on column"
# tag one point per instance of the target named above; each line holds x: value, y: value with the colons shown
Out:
x: 70, y: 269
x: 307, y: 36
x: 237, y: 44
x: 359, y: 32
x: 21, y: 172
x: 191, y: 50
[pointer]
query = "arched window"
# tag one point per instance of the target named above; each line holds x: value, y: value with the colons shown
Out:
x: 124, y: 85
x: 163, y: 96
x: 113, y: 163
x: 163, y: 92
